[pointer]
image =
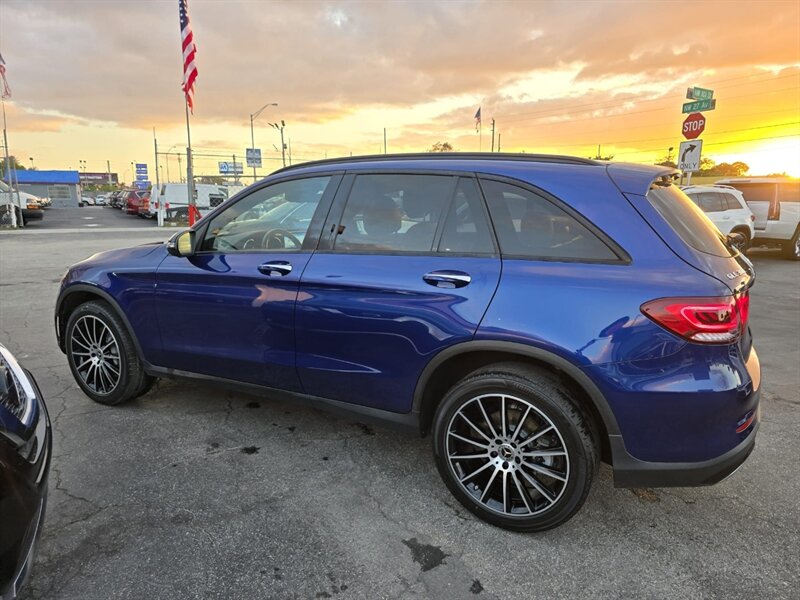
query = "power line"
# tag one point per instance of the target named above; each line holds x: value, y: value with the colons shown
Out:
x: 599, y: 104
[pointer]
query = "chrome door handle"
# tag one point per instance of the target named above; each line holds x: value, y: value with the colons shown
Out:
x: 447, y: 279
x: 277, y: 268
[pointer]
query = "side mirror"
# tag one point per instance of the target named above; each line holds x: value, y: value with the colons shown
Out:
x: 181, y: 244
x: 737, y: 241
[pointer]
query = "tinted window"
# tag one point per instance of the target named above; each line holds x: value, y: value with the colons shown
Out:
x: 709, y: 201
x: 756, y: 192
x: 789, y: 191
x: 531, y: 226
x: 732, y: 202
x: 395, y: 213
x: 276, y: 217
x: 687, y: 220
x: 466, y: 229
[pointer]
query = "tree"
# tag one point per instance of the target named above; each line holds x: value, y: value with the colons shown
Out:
x: 442, y: 147
x: 666, y: 161
x: 708, y: 168
x: 15, y: 164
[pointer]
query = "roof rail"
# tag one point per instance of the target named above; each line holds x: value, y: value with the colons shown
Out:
x: 499, y: 156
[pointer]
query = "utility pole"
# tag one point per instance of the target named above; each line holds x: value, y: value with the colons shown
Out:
x: 498, y: 141
x: 492, y: 134
x: 14, y: 223
x: 180, y: 171
x: 283, y: 144
x: 384, y: 140
x: 290, y: 152
x: 108, y: 171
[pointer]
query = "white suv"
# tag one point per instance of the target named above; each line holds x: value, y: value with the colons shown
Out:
x: 727, y: 209
x: 775, y: 201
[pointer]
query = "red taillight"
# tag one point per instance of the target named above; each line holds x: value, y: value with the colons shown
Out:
x: 717, y: 320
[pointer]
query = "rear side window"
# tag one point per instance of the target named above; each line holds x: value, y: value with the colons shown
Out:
x: 687, y: 220
x: 789, y: 191
x: 394, y: 213
x: 530, y: 226
x: 757, y: 192
x: 466, y: 229
x: 732, y: 202
x: 709, y: 201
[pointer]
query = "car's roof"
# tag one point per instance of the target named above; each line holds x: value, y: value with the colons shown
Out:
x: 629, y: 177
x: 732, y: 180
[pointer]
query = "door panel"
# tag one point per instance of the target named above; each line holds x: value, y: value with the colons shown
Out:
x: 221, y: 315
x: 228, y: 311
x: 368, y: 324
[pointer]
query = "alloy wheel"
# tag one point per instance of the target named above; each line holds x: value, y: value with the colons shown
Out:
x: 96, y: 355
x: 508, y: 455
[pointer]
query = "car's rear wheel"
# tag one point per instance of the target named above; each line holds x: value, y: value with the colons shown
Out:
x: 514, y: 449
x: 102, y: 355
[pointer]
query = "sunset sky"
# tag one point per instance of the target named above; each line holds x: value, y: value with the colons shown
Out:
x: 90, y: 80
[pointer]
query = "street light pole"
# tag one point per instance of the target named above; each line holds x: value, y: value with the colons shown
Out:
x: 30, y: 158
x: 253, y: 117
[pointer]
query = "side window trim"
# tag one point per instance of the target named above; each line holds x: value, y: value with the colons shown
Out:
x: 326, y: 199
x: 622, y: 256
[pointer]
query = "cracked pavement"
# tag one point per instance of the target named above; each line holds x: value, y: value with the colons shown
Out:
x: 193, y: 491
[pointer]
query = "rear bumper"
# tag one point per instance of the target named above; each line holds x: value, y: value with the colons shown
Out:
x: 631, y: 472
x: 33, y: 214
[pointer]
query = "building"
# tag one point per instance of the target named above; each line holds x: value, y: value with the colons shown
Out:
x: 62, y: 187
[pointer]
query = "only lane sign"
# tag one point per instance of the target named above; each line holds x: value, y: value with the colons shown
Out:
x: 689, y: 155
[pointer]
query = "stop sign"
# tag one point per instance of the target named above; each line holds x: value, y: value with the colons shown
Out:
x: 693, y: 126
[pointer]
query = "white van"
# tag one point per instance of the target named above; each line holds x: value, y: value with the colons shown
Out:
x: 775, y: 202
x: 175, y: 195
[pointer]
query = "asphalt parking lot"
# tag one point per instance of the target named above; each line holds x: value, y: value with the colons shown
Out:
x: 198, y: 492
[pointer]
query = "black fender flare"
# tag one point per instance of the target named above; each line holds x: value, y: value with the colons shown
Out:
x: 103, y: 295
x: 523, y: 351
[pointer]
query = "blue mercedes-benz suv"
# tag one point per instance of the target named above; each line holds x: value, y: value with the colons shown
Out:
x: 535, y: 314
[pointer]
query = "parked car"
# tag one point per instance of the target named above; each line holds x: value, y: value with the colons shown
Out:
x: 726, y: 208
x: 531, y: 327
x: 115, y: 199
x: 101, y: 200
x: 86, y: 201
x: 10, y: 199
x: 25, y: 451
x: 775, y: 202
x: 174, y: 195
x: 134, y: 199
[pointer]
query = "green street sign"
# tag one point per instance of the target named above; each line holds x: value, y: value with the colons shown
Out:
x: 699, y: 105
x: 698, y: 93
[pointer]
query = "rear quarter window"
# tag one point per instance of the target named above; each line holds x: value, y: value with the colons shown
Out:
x: 688, y: 221
x: 789, y: 191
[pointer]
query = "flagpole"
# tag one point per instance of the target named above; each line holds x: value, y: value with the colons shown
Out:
x: 8, y: 171
x: 189, y: 170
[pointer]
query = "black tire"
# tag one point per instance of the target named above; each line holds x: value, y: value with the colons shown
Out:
x: 109, y: 351
x: 545, y: 400
x: 791, y: 249
x: 745, y: 245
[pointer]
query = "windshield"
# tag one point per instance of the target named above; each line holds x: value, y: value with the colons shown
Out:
x: 688, y: 221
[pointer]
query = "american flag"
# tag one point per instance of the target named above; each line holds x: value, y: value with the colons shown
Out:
x: 478, y: 119
x: 6, y: 90
x: 189, y: 50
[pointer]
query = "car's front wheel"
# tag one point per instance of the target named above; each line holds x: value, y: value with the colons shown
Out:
x: 514, y: 448
x: 102, y: 355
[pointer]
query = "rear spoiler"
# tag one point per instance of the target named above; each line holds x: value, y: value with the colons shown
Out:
x: 638, y: 179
